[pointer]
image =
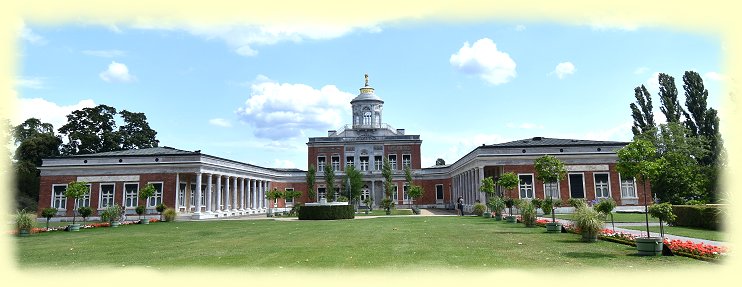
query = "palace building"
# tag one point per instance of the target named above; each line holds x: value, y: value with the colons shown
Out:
x: 202, y: 186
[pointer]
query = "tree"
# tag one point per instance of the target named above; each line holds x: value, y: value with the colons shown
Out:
x: 488, y: 187
x: 330, y: 182
x: 91, y: 130
x: 643, y: 115
x: 311, y: 178
x: 669, y: 98
x: 638, y: 159
x: 439, y: 162
x: 136, y: 133
x: 75, y: 190
x: 30, y: 128
x: 413, y: 191
x: 550, y: 169
x: 386, y: 171
x: 146, y: 192
x: 37, y: 141
x: 508, y: 181
x: 48, y: 213
x: 356, y: 182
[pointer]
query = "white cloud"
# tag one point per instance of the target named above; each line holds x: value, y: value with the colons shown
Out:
x: 33, y: 38
x: 46, y: 111
x: 243, y: 38
x: 653, y: 84
x: 713, y: 76
x: 31, y: 83
x: 285, y: 110
x: 483, y: 59
x: 116, y: 72
x: 283, y: 163
x: 527, y: 126
x: 104, y: 53
x: 641, y: 70
x: 520, y: 28
x: 563, y: 69
x: 451, y: 147
x: 220, y: 122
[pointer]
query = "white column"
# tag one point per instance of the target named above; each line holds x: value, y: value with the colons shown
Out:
x: 218, y: 193
x: 268, y: 188
x: 234, y: 194
x: 177, y: 191
x: 208, y: 193
x: 242, y: 193
x: 226, y: 193
x: 254, y: 191
x: 262, y: 194
x: 197, y: 196
x: 482, y: 195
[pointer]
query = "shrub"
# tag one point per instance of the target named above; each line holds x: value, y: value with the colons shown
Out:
x: 24, y: 220
x: 577, y: 203
x: 497, y: 204
x: 528, y: 214
x: 140, y: 210
x: 479, y: 209
x: 588, y: 221
x: 342, y: 198
x: 537, y: 202
x: 605, y: 206
x: 547, y: 205
x: 169, y: 214
x: 85, y: 211
x: 509, y: 202
x: 662, y: 211
x: 701, y: 216
x: 326, y: 212
x: 112, y: 213
x: 295, y: 209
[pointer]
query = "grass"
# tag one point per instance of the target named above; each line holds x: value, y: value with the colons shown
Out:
x: 684, y: 231
x: 379, y: 212
x: 392, y: 243
x: 617, y: 217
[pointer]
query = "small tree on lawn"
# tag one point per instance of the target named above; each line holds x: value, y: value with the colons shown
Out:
x: 160, y: 208
x: 75, y: 190
x: 606, y: 206
x: 330, y: 182
x: 272, y: 195
x: 550, y: 169
x: 638, y: 160
x: 146, y: 192
x: 663, y: 212
x: 311, y: 178
x: 85, y: 211
x: 355, y: 178
x: 508, y: 181
x: 48, y: 213
x: 413, y: 191
x: 386, y: 171
x: 488, y: 187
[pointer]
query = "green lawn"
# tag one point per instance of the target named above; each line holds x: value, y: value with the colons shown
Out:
x: 394, y: 243
x: 685, y: 231
x: 378, y: 212
x: 617, y: 217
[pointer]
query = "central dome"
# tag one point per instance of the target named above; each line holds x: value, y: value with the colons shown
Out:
x: 367, y: 94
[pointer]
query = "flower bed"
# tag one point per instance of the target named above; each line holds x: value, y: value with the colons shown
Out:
x: 85, y: 226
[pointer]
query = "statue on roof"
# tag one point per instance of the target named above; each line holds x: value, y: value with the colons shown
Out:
x: 366, y: 76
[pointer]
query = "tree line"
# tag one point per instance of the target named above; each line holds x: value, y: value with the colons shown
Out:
x: 88, y: 130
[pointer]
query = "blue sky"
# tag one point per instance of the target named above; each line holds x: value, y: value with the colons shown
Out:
x: 256, y: 93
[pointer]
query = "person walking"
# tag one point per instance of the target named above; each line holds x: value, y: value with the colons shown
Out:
x: 460, y: 205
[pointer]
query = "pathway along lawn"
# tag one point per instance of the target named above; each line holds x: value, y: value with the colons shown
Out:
x: 617, y: 217
x: 714, y: 235
x: 400, y: 243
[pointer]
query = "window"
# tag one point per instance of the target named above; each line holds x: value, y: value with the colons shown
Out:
x: 320, y: 163
x: 525, y: 185
x: 193, y: 192
x: 576, y: 185
x: 156, y: 198
x: 395, y: 197
x: 59, y: 201
x: 628, y: 188
x: 130, y: 195
x: 438, y: 193
x: 405, y: 196
x: 602, y: 188
x: 378, y: 162
x: 406, y: 160
x: 106, y: 195
x: 365, y: 193
x: 364, y: 163
x: 393, y: 161
x: 321, y: 192
x: 289, y: 201
x: 85, y: 199
x: 348, y: 161
x: 366, y: 116
x: 181, y: 195
x: 336, y: 163
x: 551, y: 189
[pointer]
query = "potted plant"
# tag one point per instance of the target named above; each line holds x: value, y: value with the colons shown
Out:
x: 24, y: 222
x: 160, y: 208
x: 528, y: 214
x: 488, y: 187
x: 75, y: 190
x: 112, y: 214
x: 509, y: 202
x: 589, y: 222
x: 84, y: 211
x: 169, y: 214
x: 479, y: 209
x: 639, y: 160
x: 272, y: 196
x: 140, y: 211
x: 497, y: 204
x: 48, y: 213
x: 550, y: 169
x: 606, y: 206
x: 145, y: 193
x: 663, y: 212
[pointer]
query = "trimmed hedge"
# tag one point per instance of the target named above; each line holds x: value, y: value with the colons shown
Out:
x: 701, y: 216
x: 326, y: 212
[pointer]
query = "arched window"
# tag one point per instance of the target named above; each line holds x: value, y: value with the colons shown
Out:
x: 366, y: 116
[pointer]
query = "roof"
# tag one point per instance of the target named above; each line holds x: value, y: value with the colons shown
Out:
x: 542, y: 142
x: 142, y: 152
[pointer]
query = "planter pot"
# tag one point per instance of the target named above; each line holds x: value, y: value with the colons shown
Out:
x: 143, y: 221
x: 553, y: 227
x: 510, y: 219
x: 74, y: 227
x: 487, y: 215
x: 649, y: 246
x: 498, y: 217
x: 23, y: 232
x: 115, y: 224
x: 589, y: 236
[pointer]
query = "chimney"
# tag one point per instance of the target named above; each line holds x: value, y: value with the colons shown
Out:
x: 331, y: 133
x: 400, y: 131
